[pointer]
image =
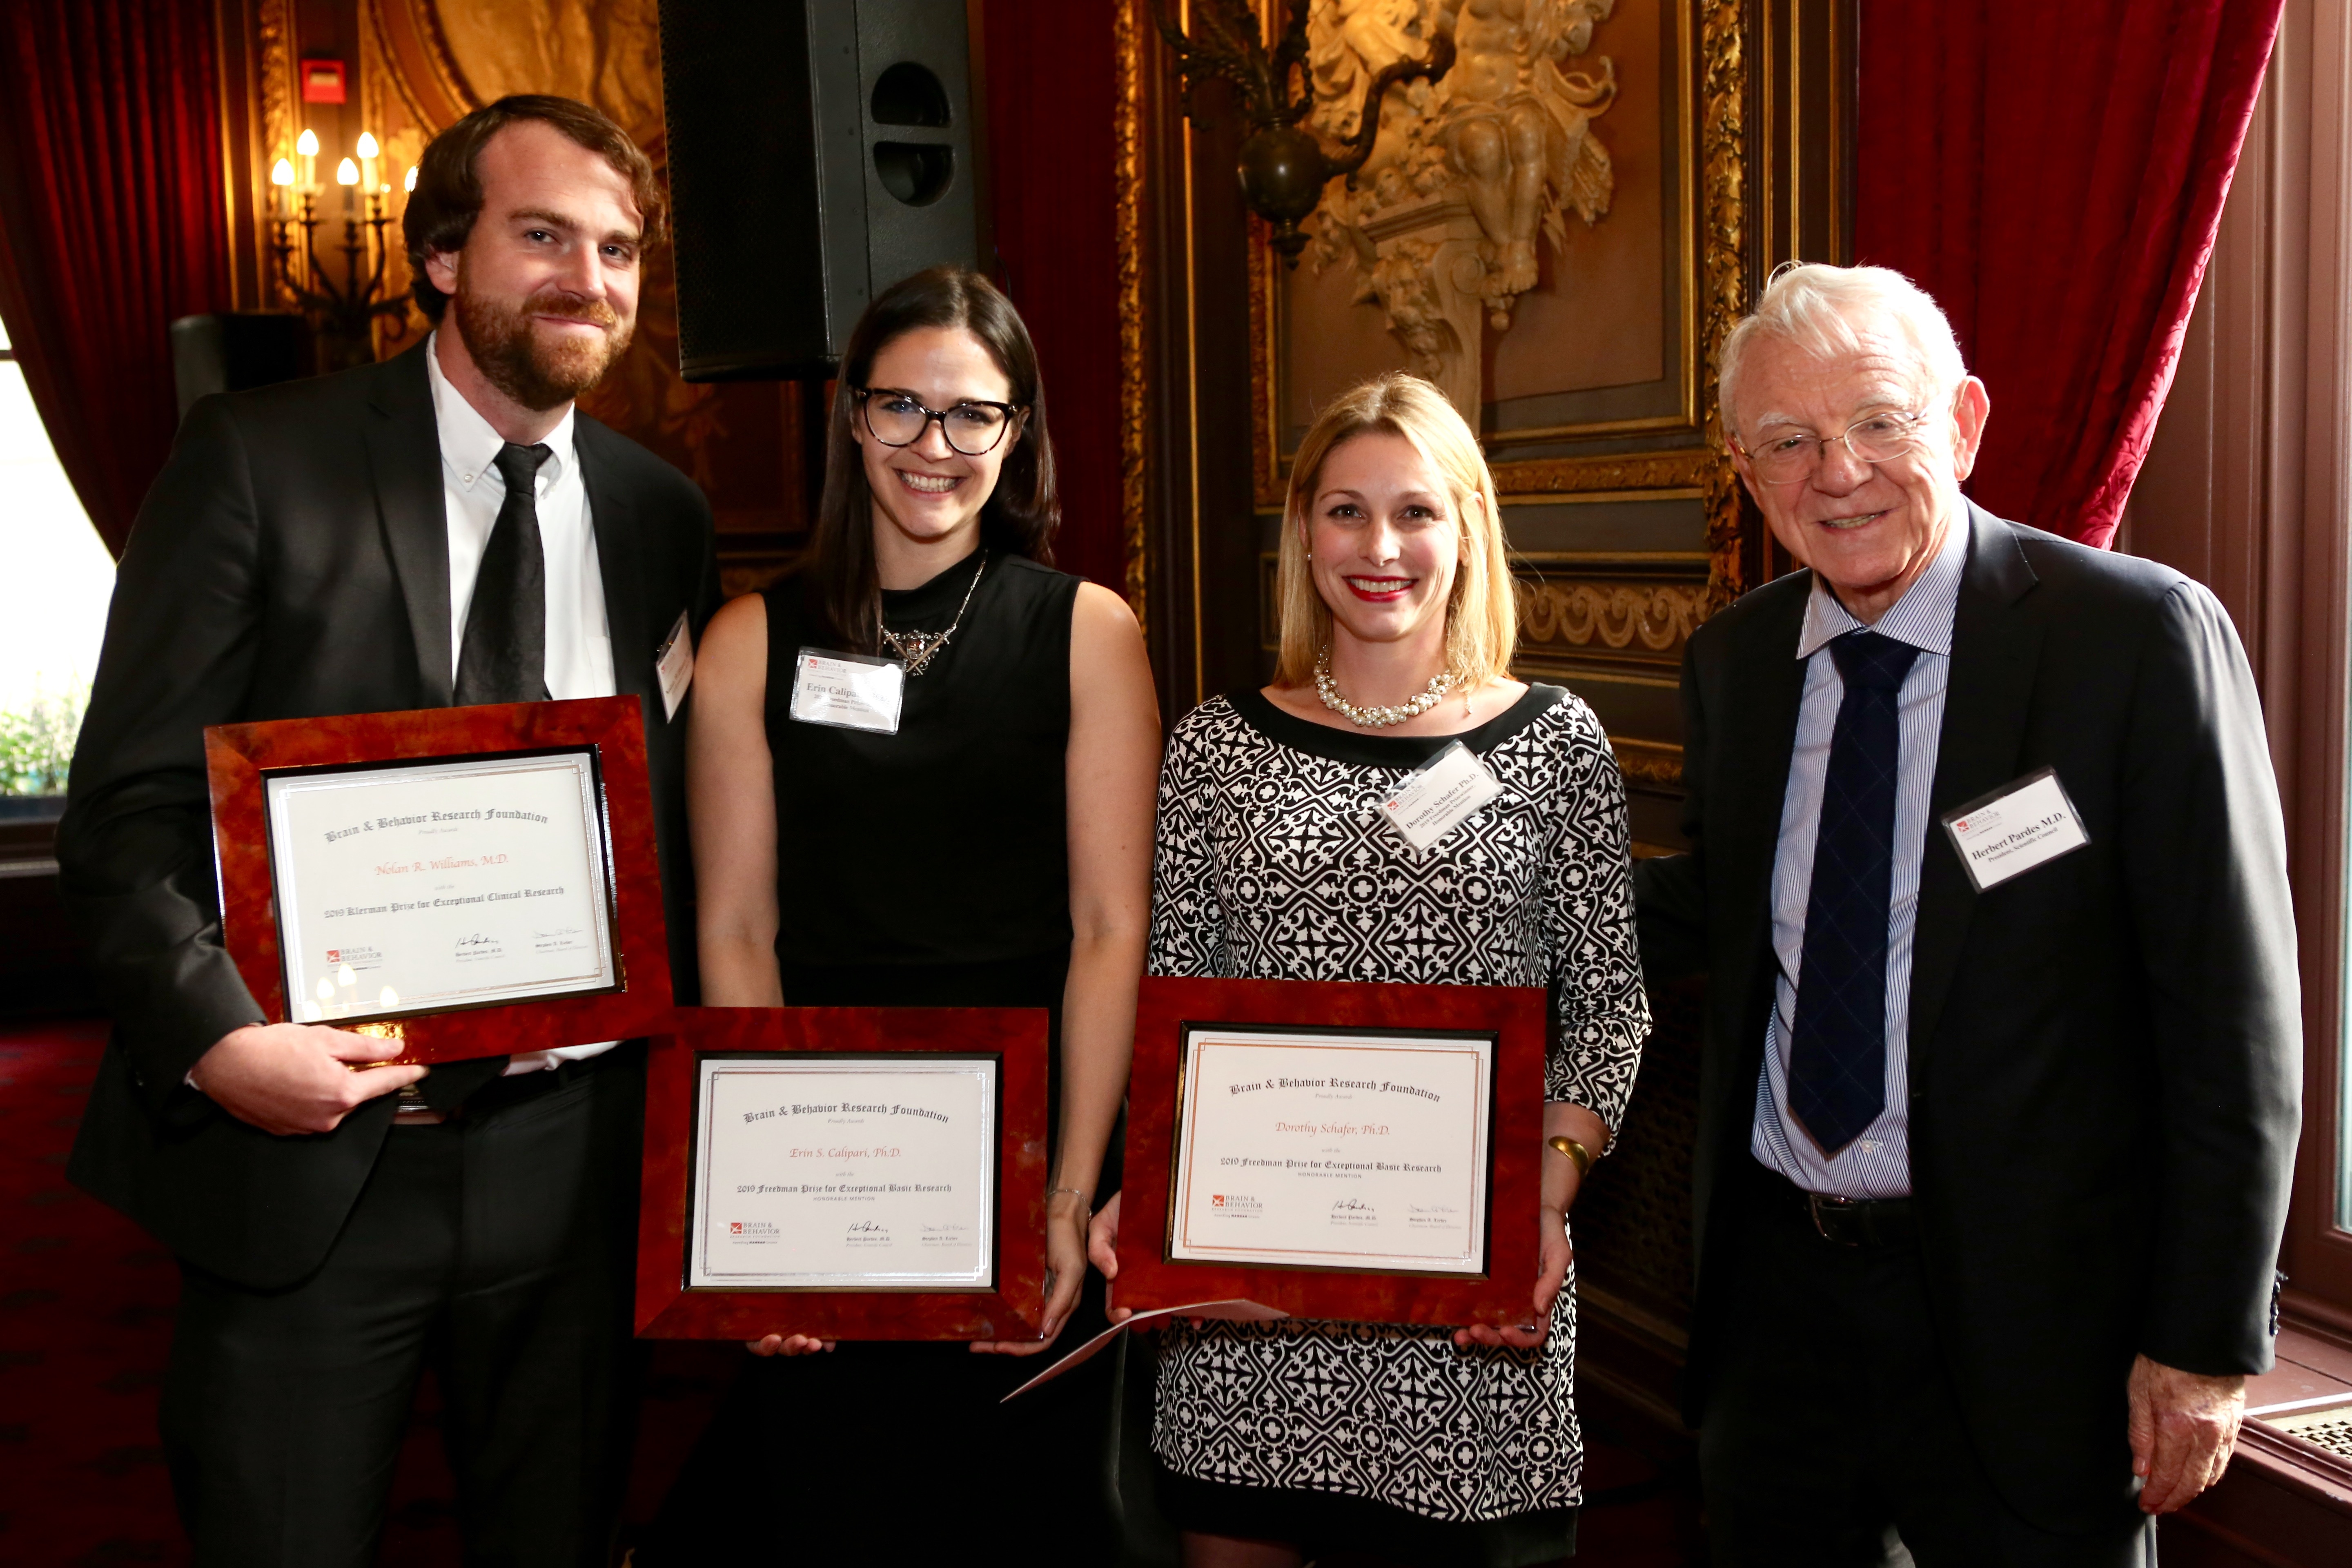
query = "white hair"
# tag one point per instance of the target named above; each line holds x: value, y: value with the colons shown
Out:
x: 1824, y: 310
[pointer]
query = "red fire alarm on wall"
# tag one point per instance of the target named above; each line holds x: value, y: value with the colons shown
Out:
x: 323, y: 81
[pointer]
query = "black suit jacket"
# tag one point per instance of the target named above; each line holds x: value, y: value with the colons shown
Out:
x: 292, y: 561
x: 2105, y: 1051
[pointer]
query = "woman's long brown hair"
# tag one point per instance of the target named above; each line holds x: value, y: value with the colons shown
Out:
x: 838, y: 575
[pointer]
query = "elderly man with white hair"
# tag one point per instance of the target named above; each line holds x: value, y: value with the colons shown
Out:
x: 1999, y: 1089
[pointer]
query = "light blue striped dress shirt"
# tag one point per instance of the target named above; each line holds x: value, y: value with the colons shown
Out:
x: 1878, y: 1163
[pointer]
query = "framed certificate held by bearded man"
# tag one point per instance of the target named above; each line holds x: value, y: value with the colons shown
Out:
x: 465, y: 881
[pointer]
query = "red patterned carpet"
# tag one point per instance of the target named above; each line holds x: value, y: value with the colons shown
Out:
x: 86, y: 1304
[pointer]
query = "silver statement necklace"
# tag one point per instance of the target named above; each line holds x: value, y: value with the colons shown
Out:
x: 919, y: 648
x: 1377, y: 718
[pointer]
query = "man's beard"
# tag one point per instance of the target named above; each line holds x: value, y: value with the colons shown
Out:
x: 540, y: 377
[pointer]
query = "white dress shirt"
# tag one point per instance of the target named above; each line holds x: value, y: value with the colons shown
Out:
x: 1877, y: 1165
x: 579, y: 639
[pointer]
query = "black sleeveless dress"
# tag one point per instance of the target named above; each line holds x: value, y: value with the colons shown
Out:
x: 925, y: 868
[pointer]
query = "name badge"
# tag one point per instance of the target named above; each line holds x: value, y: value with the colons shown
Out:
x: 1440, y: 793
x: 2015, y: 828
x: 848, y: 690
x: 674, y: 666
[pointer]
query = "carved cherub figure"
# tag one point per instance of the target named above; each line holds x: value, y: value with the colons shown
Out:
x: 1507, y: 126
x: 1518, y: 127
x: 1349, y: 42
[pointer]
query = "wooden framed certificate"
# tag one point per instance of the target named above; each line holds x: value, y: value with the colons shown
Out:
x: 465, y: 881
x: 856, y: 1172
x: 1359, y: 1151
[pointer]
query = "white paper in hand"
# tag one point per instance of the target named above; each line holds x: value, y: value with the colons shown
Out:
x: 1441, y: 792
x: 674, y: 666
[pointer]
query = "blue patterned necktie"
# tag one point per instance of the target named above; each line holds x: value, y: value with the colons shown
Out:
x: 1837, y: 1061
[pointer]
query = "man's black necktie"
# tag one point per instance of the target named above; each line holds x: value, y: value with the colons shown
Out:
x: 502, y: 660
x: 1837, y: 1061
x: 504, y: 656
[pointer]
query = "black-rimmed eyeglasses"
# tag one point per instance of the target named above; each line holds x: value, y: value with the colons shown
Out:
x: 973, y: 427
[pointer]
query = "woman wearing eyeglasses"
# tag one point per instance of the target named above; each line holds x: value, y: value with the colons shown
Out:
x: 968, y: 823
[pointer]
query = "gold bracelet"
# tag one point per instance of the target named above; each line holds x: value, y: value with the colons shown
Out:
x: 1575, y: 1152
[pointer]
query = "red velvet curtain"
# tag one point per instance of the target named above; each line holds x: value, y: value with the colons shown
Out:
x: 2053, y: 175
x: 112, y: 222
x: 1052, y: 81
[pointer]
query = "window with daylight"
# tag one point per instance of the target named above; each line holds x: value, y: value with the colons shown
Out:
x: 53, y: 599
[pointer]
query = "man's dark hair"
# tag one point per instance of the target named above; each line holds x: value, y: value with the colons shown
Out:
x: 449, y: 194
x: 840, y: 584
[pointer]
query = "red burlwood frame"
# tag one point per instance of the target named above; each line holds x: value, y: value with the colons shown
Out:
x: 239, y: 757
x: 1515, y: 1015
x: 1016, y: 1037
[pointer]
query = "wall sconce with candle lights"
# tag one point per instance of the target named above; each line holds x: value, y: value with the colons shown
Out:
x: 342, y: 312
x: 1284, y: 165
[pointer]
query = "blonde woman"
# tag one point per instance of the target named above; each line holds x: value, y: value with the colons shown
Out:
x: 1425, y: 1445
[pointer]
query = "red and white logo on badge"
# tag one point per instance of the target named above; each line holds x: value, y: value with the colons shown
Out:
x: 1216, y: 1200
x: 734, y: 1227
x: 334, y: 955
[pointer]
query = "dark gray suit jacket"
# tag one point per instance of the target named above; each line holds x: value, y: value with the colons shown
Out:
x: 292, y: 561
x: 2105, y: 1051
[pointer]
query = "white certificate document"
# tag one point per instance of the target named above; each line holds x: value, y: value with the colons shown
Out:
x: 1336, y: 1150
x: 427, y: 886
x: 844, y: 1174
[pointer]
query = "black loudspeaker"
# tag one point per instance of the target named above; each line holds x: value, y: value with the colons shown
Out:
x: 819, y: 152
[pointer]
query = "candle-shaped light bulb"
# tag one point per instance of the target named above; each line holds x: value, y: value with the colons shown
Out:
x: 408, y: 181
x: 367, y: 147
x: 308, y: 144
x: 347, y: 172
x: 282, y: 173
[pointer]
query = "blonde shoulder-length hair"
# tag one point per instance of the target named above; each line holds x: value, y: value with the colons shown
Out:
x: 1482, y: 622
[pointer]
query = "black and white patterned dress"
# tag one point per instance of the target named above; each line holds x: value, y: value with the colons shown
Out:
x: 1272, y: 863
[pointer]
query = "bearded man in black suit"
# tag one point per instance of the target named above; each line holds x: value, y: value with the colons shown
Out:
x: 1999, y: 1092
x: 439, y: 529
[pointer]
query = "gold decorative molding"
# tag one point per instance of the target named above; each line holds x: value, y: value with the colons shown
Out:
x: 1657, y: 763
x: 1133, y: 392
x: 1723, y: 157
x: 425, y: 68
x: 274, y: 40
x: 1693, y: 468
x: 1659, y: 617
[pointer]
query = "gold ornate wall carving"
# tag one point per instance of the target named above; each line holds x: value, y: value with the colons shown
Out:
x: 1723, y: 128
x: 1469, y: 173
x: 1132, y: 388
x: 1655, y: 618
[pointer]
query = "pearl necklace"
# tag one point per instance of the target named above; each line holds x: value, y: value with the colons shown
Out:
x: 1377, y: 718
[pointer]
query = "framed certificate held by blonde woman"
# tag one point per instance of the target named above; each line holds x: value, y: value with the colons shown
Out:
x: 1334, y: 1151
